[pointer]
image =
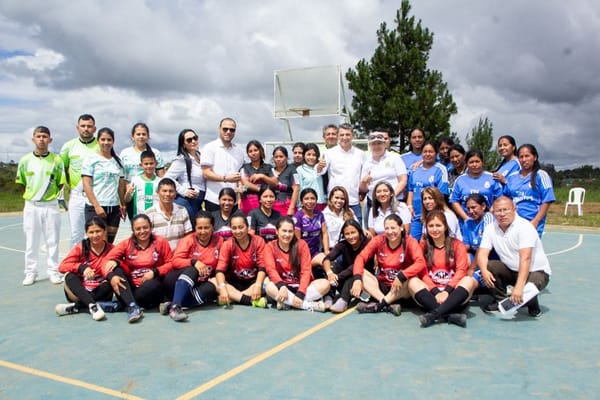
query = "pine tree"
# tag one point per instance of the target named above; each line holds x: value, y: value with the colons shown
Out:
x: 482, y: 138
x: 395, y: 89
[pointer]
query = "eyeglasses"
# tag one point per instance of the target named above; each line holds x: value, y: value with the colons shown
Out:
x: 191, y: 139
x: 232, y: 130
x: 503, y: 211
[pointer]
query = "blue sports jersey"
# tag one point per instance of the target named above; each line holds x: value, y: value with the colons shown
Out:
x: 485, y: 185
x: 409, y: 159
x: 508, y: 167
x: 527, y: 200
x: 473, y: 231
x: 421, y: 178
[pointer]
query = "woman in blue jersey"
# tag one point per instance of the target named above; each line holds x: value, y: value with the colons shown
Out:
x: 103, y: 181
x: 429, y: 173
x: 459, y: 165
x: 507, y: 148
x: 131, y: 158
x: 530, y: 188
x: 309, y: 177
x: 475, y: 180
x: 186, y: 171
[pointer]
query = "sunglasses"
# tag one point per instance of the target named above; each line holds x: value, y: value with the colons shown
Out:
x: 232, y: 130
x: 191, y: 139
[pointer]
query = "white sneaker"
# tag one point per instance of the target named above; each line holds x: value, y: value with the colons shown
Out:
x: 318, y: 306
x: 97, y: 312
x: 65, y: 309
x: 56, y: 278
x: 29, y: 279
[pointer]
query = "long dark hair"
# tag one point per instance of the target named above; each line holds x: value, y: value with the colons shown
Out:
x: 361, y: 234
x: 536, y: 164
x: 181, y: 151
x: 293, y: 251
x: 259, y: 146
x: 430, y: 246
x: 86, y: 246
x: 377, y: 204
x: 112, y: 149
x: 511, y: 141
x: 147, y: 219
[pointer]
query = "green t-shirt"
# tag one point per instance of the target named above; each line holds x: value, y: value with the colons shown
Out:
x: 42, y: 176
x: 73, y: 153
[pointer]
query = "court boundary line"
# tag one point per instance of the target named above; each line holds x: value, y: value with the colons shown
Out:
x: 69, y: 381
x: 578, y: 244
x: 262, y: 357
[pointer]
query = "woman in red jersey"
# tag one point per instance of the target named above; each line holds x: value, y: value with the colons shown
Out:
x: 398, y: 257
x: 288, y: 265
x: 192, y: 280
x: 241, y: 267
x: 444, y: 287
x: 85, y: 286
x: 135, y: 266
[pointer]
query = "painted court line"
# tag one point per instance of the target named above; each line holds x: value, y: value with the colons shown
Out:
x: 579, y: 243
x: 68, y: 381
x: 261, y: 357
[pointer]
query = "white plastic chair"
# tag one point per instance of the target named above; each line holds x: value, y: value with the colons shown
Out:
x: 576, y: 197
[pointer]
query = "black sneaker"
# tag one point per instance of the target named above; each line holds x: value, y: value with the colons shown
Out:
x: 395, y: 309
x: 491, y: 307
x: 371, y: 307
x: 534, y: 311
x: 459, y: 319
x: 427, y: 319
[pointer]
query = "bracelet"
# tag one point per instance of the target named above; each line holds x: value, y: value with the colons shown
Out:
x: 221, y: 285
x: 329, y: 272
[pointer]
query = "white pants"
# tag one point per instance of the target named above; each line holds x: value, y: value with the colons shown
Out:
x: 77, y: 215
x: 41, y: 218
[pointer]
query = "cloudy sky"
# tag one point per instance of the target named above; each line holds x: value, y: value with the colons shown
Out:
x: 532, y: 68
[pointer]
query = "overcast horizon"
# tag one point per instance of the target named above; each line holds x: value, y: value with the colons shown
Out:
x: 532, y: 68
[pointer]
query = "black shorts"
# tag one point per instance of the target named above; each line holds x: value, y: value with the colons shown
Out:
x: 113, y: 214
x: 240, y: 284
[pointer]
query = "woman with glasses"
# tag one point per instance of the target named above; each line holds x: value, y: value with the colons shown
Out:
x: 186, y: 171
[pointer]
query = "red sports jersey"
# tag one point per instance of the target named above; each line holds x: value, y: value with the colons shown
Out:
x: 441, y: 274
x: 242, y: 264
x: 189, y: 250
x: 137, y: 261
x: 391, y: 263
x: 73, y: 261
x: 279, y: 270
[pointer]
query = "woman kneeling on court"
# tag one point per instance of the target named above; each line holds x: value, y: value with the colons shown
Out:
x: 288, y: 265
x: 192, y: 280
x: 444, y: 288
x: 135, y: 266
x: 85, y: 286
x: 241, y: 267
x: 398, y: 257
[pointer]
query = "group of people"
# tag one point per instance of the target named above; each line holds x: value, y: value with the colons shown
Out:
x: 331, y: 227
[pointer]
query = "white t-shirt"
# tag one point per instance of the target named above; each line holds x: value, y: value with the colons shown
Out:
x: 387, y: 169
x: 377, y: 223
x: 224, y: 161
x: 519, y: 235
x: 344, y: 168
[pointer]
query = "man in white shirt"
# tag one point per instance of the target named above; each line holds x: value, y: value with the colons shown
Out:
x: 522, y: 256
x: 344, y: 165
x: 221, y: 161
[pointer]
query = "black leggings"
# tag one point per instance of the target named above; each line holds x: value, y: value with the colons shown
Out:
x: 148, y: 295
x: 74, y: 283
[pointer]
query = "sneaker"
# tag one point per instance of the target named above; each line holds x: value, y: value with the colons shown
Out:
x: 260, y: 303
x: 339, y: 306
x: 534, y: 311
x: 97, y: 312
x: 427, y: 319
x: 491, y: 308
x: 56, y: 278
x: 66, y: 309
x: 371, y: 307
x: 134, y: 313
x: 29, y: 279
x: 177, y: 314
x: 364, y: 296
x: 395, y: 309
x: 318, y: 306
x: 163, y: 308
x: 109, y: 306
x: 459, y: 319
x: 328, y: 300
